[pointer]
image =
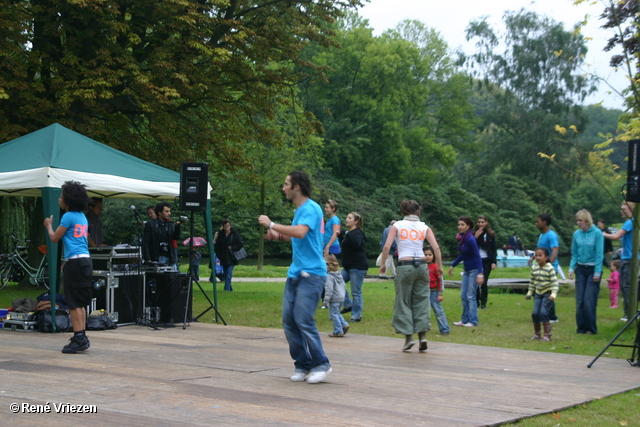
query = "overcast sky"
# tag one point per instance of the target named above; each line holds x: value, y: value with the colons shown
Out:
x: 451, y: 19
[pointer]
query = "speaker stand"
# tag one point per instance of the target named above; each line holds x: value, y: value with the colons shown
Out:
x: 635, y: 358
x: 191, y: 280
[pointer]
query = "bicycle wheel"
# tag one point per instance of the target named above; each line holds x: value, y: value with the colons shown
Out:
x: 5, y: 275
x: 17, y: 273
x: 43, y: 278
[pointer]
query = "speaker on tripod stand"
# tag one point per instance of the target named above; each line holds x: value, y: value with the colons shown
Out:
x: 194, y: 184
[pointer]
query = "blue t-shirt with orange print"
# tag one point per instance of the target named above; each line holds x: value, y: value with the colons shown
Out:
x: 75, y: 239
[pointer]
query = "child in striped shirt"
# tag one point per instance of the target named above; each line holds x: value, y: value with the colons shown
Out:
x: 544, y: 286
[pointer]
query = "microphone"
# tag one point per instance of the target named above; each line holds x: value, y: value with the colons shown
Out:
x: 133, y: 208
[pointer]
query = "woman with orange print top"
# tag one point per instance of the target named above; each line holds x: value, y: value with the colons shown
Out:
x: 412, y: 310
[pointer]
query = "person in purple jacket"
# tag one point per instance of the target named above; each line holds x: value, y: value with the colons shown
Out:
x: 472, y: 275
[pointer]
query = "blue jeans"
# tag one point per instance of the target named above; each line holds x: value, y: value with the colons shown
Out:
x: 468, y: 293
x: 541, y: 308
x: 195, y: 270
x: 228, y: 274
x: 587, y: 292
x: 356, y: 277
x: 436, y: 307
x: 338, y: 321
x: 299, y: 302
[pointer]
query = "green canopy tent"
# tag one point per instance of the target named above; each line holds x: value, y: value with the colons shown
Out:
x: 39, y: 163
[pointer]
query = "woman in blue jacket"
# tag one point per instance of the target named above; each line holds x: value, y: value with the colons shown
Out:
x: 472, y: 275
x: 586, y: 262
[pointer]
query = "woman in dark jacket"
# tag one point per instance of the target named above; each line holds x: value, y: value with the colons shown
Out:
x: 486, y: 239
x: 354, y: 264
x: 472, y: 275
x: 225, y: 242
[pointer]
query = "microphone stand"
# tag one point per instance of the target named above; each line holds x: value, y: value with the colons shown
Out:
x: 140, y: 223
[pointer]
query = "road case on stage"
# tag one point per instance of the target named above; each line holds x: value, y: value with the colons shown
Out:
x: 20, y: 325
x: 118, y: 283
x: 120, y: 294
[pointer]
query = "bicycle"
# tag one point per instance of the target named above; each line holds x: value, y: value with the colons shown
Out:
x: 14, y: 265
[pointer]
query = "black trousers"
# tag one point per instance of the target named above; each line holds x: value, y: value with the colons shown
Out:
x: 483, y: 290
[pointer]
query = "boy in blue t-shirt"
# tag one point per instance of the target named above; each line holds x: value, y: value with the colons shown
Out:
x: 549, y: 240
x: 625, y: 234
x: 78, y: 270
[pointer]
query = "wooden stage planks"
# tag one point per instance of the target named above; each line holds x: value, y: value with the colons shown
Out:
x: 228, y: 375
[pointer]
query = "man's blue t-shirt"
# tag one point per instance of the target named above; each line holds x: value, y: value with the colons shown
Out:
x: 627, y: 239
x: 550, y: 240
x: 307, y: 252
x: 75, y: 238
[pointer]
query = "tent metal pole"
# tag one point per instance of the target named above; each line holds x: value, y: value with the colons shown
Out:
x: 209, y: 225
x: 50, y: 207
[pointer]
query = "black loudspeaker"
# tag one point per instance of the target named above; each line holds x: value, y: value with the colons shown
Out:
x: 194, y: 184
x: 128, y: 297
x: 171, y: 291
x: 633, y: 171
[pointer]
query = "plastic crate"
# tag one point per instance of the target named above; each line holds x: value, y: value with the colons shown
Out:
x: 3, y: 315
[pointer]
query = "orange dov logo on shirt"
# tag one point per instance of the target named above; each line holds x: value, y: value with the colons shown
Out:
x: 412, y: 234
x: 80, y: 230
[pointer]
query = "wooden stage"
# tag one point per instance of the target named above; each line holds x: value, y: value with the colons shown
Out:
x: 236, y: 376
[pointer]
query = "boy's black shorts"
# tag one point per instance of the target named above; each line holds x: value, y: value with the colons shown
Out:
x: 78, y: 273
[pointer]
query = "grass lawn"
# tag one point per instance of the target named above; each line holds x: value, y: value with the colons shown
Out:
x: 505, y: 323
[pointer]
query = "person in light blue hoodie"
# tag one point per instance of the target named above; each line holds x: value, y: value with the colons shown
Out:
x: 586, y: 262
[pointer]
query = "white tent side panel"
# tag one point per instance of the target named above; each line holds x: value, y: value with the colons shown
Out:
x: 29, y: 183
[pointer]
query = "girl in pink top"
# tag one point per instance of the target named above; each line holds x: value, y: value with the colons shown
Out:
x: 614, y: 284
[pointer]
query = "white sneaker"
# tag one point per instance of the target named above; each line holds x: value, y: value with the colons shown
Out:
x: 460, y: 323
x: 299, y: 376
x: 624, y: 319
x: 316, y: 377
x: 469, y: 325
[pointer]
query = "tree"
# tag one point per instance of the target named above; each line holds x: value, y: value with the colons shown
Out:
x: 602, y: 124
x: 152, y: 78
x: 256, y: 188
x: 528, y: 82
x: 616, y: 15
x: 393, y: 109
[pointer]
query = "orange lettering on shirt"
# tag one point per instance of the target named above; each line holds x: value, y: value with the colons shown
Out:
x: 411, y: 234
x: 80, y: 230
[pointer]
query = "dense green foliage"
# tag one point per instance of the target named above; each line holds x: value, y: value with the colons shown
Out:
x: 260, y: 88
x: 144, y: 76
x: 394, y: 107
